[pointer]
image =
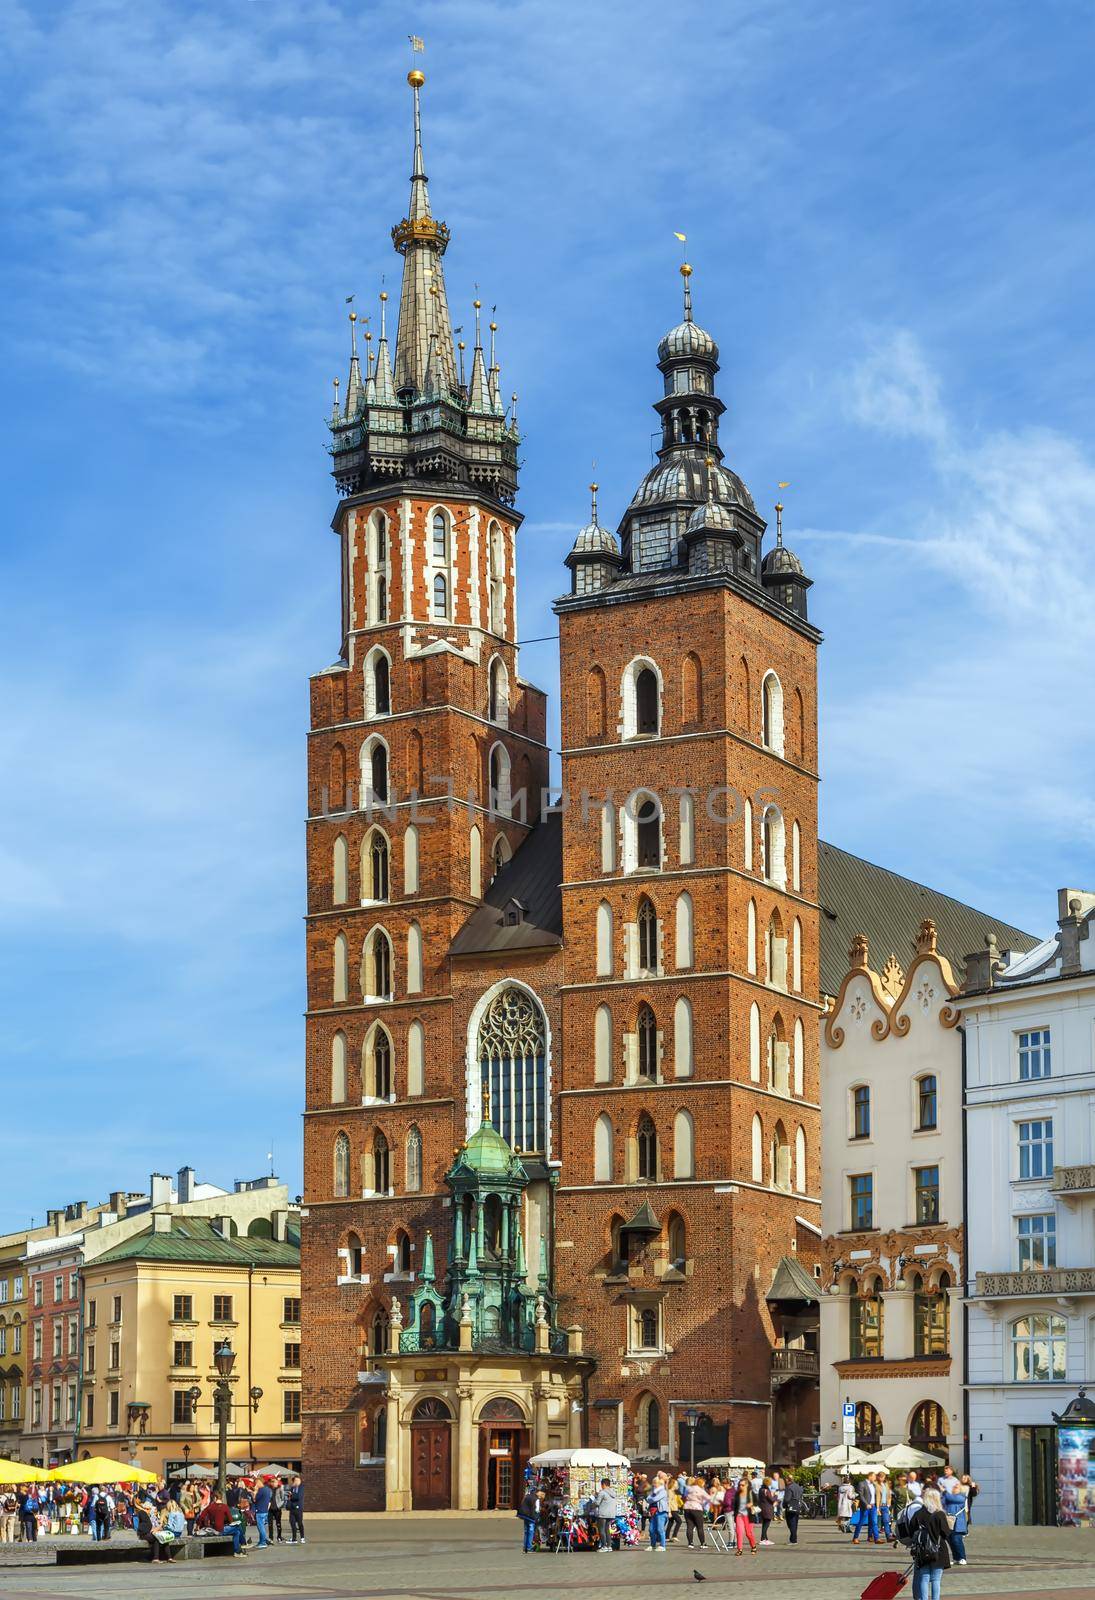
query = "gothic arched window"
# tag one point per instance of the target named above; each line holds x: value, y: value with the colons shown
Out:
x: 512, y: 1054
x: 440, y: 596
x: 414, y: 1161
x: 341, y: 1174
x: 648, y: 936
x: 647, y: 1030
x: 382, y: 690
x: 646, y: 701
x: 380, y: 1334
x: 646, y: 1149
x: 649, y: 833
x: 382, y: 1164
x: 440, y: 537
x: 868, y: 1426
x: 377, y: 866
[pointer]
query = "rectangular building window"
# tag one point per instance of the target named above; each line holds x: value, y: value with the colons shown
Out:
x: 36, y: 1408
x: 58, y: 1289
x: 116, y: 1311
x: 89, y: 1358
x: 3, y: 1291
x: 73, y: 1285
x: 1037, y: 1237
x: 58, y: 1335
x: 183, y: 1406
x: 1036, y: 1148
x: 292, y: 1355
x: 861, y: 1189
x: 17, y: 1339
x: 36, y: 1342
x: 222, y: 1308
x: 112, y: 1407
x: 1034, y: 1059
x: 926, y: 1182
x: 73, y: 1336
x: 183, y: 1308
x: 17, y: 1287
x: 290, y: 1309
x: 291, y: 1411
x: 3, y: 1339
x: 89, y: 1411
x: 183, y: 1353
x: 91, y: 1313
x: 115, y: 1356
x: 927, y: 1102
x: 15, y: 1405
x: 37, y: 1294
x: 861, y: 1112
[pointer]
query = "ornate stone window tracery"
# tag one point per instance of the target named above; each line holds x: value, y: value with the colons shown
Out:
x: 512, y: 1054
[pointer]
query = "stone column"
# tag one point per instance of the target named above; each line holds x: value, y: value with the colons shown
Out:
x: 540, y: 1419
x: 574, y: 1427
x: 397, y: 1489
x: 466, y: 1496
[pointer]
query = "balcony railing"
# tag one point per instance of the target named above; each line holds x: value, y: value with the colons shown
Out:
x: 1073, y: 1180
x: 788, y: 1364
x: 1053, y: 1280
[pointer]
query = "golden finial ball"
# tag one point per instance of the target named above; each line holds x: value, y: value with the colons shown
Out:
x: 433, y: 288
x: 686, y: 270
x: 593, y: 488
x: 416, y: 78
x: 353, y: 316
x: 383, y: 294
x: 494, y: 327
x: 460, y: 345
x: 477, y: 304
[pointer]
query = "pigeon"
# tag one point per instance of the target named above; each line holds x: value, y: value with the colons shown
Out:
x: 700, y: 1577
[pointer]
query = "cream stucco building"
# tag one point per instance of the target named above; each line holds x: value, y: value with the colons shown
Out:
x: 156, y: 1306
x: 891, y: 1329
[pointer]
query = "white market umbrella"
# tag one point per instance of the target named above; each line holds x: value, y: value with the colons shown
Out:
x: 196, y: 1471
x: 578, y: 1458
x: 838, y: 1455
x: 899, y: 1457
x: 732, y: 1463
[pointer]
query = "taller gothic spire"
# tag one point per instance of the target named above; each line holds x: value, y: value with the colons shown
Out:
x: 423, y: 315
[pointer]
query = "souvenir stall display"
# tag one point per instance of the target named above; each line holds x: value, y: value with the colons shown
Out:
x: 567, y: 1482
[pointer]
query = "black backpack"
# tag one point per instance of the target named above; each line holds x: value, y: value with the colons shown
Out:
x: 928, y: 1547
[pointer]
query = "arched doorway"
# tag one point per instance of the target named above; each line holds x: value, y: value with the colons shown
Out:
x: 503, y: 1450
x: 431, y: 1456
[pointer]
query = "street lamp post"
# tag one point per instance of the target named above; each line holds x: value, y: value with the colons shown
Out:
x: 224, y: 1359
x: 186, y: 1463
x: 691, y: 1418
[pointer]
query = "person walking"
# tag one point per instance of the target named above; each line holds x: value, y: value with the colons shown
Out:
x: 528, y: 1511
x: 913, y: 1487
x: 744, y: 1506
x: 696, y: 1502
x: 28, y: 1514
x: 294, y: 1500
x: 657, y: 1503
x: 793, y: 1501
x: 868, y: 1510
x: 929, y: 1545
x: 956, y: 1510
x: 885, y: 1498
x: 676, y: 1507
x: 845, y: 1505
x: 263, y: 1497
x: 277, y: 1506
x: 766, y: 1503
x: 9, y: 1518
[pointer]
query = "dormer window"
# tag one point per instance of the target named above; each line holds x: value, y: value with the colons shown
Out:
x: 513, y: 914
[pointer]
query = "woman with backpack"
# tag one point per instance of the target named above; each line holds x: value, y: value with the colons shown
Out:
x: 929, y: 1533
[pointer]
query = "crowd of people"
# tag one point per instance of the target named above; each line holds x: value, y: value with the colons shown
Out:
x: 161, y: 1514
x: 741, y: 1510
x: 874, y: 1504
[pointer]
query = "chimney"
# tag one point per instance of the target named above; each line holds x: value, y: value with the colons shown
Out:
x: 161, y: 1222
x: 280, y: 1224
x: 118, y: 1202
x: 186, y: 1185
x: 223, y: 1226
x: 1073, y: 908
x: 982, y: 966
x: 159, y: 1189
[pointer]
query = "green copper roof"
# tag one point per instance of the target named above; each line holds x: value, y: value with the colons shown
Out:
x: 196, y: 1239
x: 487, y: 1151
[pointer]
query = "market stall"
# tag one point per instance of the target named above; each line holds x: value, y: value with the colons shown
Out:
x: 567, y: 1480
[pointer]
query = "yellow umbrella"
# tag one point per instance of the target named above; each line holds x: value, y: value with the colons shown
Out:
x: 100, y: 1469
x: 21, y: 1472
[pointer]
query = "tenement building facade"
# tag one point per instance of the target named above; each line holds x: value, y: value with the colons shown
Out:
x: 562, y: 1125
x: 1029, y: 1023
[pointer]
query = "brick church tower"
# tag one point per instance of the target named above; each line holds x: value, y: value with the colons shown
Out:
x: 690, y: 1120
x: 423, y: 704
x: 561, y: 1129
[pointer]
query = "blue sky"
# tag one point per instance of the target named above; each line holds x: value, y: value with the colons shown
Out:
x: 889, y: 212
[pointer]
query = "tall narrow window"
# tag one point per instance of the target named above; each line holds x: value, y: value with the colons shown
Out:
x: 927, y: 1102
x: 648, y: 831
x: 751, y: 937
x: 410, y: 860
x: 683, y: 1146
x: 757, y: 1150
x: 861, y: 1195
x: 646, y: 702
x: 931, y: 1318
x: 1036, y: 1148
x: 687, y: 830
x: 382, y: 1173
x: 338, y: 1067
x: 341, y: 1176
x: 498, y: 693
x: 339, y: 965
x: 378, y: 771
x: 647, y: 1030
x: 416, y: 1053
x: 800, y: 1160
x: 754, y: 1043
x: 440, y: 548
x: 414, y: 1161
x: 1034, y: 1054
x: 377, y: 866
x: 602, y: 1045
x: 646, y: 1150
x: 796, y: 956
x: 691, y: 688
x: 682, y: 1038
x: 747, y: 856
x: 648, y: 936
x: 440, y: 595
x: 381, y: 598
x: 340, y: 871
x: 608, y: 836
x: 926, y: 1194
x: 796, y: 856
x: 382, y: 697
x: 604, y: 940
x: 684, y: 940
x: 475, y: 863
x: 864, y: 1321
x: 512, y: 1047
x: 861, y: 1112
x: 772, y: 713
x: 596, y: 712
x: 799, y: 1058
x: 602, y: 1149
x: 414, y: 959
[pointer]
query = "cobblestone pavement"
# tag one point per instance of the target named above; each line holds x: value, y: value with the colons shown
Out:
x: 442, y: 1557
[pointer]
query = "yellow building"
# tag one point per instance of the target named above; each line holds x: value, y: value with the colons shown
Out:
x: 156, y: 1307
x: 13, y: 1323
